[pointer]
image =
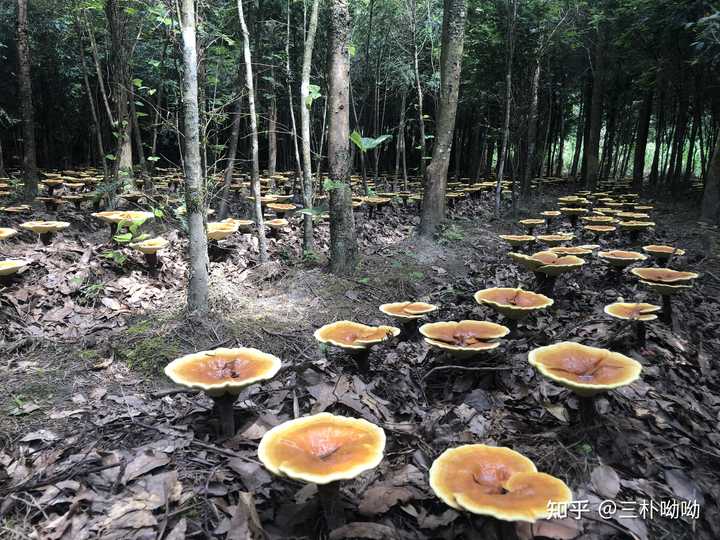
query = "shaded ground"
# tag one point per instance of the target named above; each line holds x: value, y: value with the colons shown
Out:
x: 96, y: 442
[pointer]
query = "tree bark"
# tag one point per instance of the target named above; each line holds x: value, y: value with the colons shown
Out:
x: 435, y: 179
x: 289, y: 75
x: 197, y: 293
x: 343, y: 242
x: 307, y: 184
x: 254, y: 150
x: 30, y: 170
x: 272, y: 134
x: 418, y: 85
x: 592, y: 148
x: 231, y: 155
x: 642, y: 137
x: 711, y: 196
x: 137, y: 137
x: 510, y: 41
x: 531, y: 132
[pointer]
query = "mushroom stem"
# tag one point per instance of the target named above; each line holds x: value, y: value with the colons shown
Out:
x: 362, y: 359
x: 371, y: 209
x: 113, y: 230
x: 573, y: 220
x: 634, y: 236
x: 46, y: 238
x: 586, y: 405
x: 512, y: 324
x: 331, y: 504
x: 640, y: 333
x: 410, y: 330
x: 152, y: 260
x: 224, y: 407
x: 666, y: 314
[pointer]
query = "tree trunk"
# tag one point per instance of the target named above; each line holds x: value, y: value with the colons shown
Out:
x: 197, y: 294
x: 254, y: 149
x: 305, y: 105
x: 531, y: 132
x: 435, y: 179
x: 418, y: 85
x: 711, y: 196
x: 30, y: 170
x: 643, y: 130
x: 343, y: 242
x: 3, y: 172
x: 137, y: 137
x: 592, y: 148
x: 508, y: 95
x: 289, y: 75
x: 400, y: 148
x: 659, y: 132
x: 231, y: 155
x: 272, y: 134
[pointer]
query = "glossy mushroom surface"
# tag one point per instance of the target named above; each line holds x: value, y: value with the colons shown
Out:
x: 665, y: 275
x: 632, y: 311
x: 583, y: 369
x: 352, y: 335
x: 322, y: 448
x: 620, y: 258
x: 7, y: 232
x: 464, y: 338
x: 8, y: 267
x: 407, y: 310
x: 495, y: 481
x: 514, y: 303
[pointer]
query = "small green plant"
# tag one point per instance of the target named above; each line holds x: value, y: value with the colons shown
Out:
x: 451, y: 234
x: 310, y: 257
x: 416, y: 276
x: 149, y: 355
x: 364, y: 280
x: 115, y: 256
x: 133, y: 234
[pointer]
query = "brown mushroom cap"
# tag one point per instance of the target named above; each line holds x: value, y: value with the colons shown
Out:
x: 634, y: 225
x: 665, y: 275
x: 244, y: 225
x: 572, y: 250
x: 514, y: 303
x: 279, y: 223
x: 600, y: 229
x: 584, y: 370
x: 117, y: 216
x: 7, y: 232
x: 631, y: 311
x: 223, y: 371
x: 376, y: 201
x: 663, y: 252
x: 517, y: 239
x: 554, y: 239
x: 620, y: 258
x: 8, y: 267
x: 551, y: 213
x: 42, y: 227
x: 150, y: 246
x: 572, y: 211
x: 322, y: 448
x: 407, y: 310
x: 554, y: 265
x: 354, y: 336
x: 495, y: 481
x: 464, y: 338
x: 598, y: 219
x: 531, y: 222
x: 220, y: 230
x: 282, y: 207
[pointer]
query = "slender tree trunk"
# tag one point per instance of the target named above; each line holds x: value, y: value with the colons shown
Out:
x: 592, y: 148
x: 578, y: 143
x: 98, y: 72
x: 3, y: 172
x: 513, y: 5
x: 711, y: 196
x: 305, y: 105
x: 30, y: 170
x: 418, y: 85
x: 137, y: 137
x: 343, y: 242
x: 93, y: 110
x: 697, y: 119
x: 158, y: 106
x: 400, y: 148
x: 290, y: 80
x: 643, y: 130
x: 659, y: 131
x: 531, y: 132
x: 254, y: 150
x: 231, y: 155
x: 272, y: 134
x: 197, y: 294
x: 435, y: 179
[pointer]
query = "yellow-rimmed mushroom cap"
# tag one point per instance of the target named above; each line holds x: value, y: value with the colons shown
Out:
x: 322, y: 448
x: 495, y: 481
x: 634, y: 225
x: 244, y: 225
x: 220, y: 231
x: 554, y: 239
x: 42, y: 227
x: 620, y: 258
x: 281, y: 207
x: 572, y: 250
x: 376, y: 201
x: 407, y: 310
x: 223, y: 371
x: 526, y: 261
x: 517, y: 239
x: 572, y: 211
x: 531, y: 223
x: 663, y: 252
x: 8, y: 267
x: 665, y: 275
x: 631, y: 311
x: 353, y: 336
x: 118, y: 216
x: 464, y: 338
x: 20, y: 209
x: 7, y: 232
x: 279, y: 223
x: 513, y: 303
x: 598, y: 219
x: 584, y: 370
x: 150, y: 246
x: 554, y: 265
x: 551, y: 213
x: 600, y: 229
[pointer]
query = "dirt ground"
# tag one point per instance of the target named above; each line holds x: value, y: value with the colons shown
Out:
x: 96, y: 442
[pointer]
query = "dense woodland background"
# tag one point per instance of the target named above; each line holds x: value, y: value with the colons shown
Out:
x: 632, y: 84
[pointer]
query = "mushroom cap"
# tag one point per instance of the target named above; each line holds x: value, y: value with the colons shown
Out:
x: 354, y: 336
x: 464, y: 338
x: 632, y: 311
x: 407, y: 310
x: 572, y: 211
x: 282, y: 207
x: 8, y: 267
x: 665, y: 275
x: 662, y: 251
x: 223, y: 371
x: 129, y: 216
x: 598, y: 219
x: 7, y: 232
x: 221, y: 230
x: 665, y: 289
x: 551, y: 213
x: 532, y: 222
x: 634, y: 225
x: 555, y: 239
x: 572, y: 250
x: 514, y: 303
x: 244, y: 225
x: 42, y: 227
x: 151, y: 245
x: 279, y: 223
x: 584, y: 370
x: 322, y: 448
x: 526, y: 261
x: 601, y: 229
x: 495, y: 481
x: 517, y: 239
x: 554, y: 265
x: 620, y: 258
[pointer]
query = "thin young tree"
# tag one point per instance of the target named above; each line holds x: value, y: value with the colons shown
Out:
x: 30, y: 171
x: 435, y: 179
x: 254, y: 149
x: 343, y: 242
x: 305, y: 105
x: 197, y: 293
x: 711, y: 195
x: 510, y: 43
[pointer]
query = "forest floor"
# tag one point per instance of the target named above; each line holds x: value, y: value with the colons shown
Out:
x: 96, y: 442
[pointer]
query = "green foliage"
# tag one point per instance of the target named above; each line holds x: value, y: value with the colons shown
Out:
x: 364, y: 144
x: 329, y: 185
x: 451, y: 234
x: 116, y: 256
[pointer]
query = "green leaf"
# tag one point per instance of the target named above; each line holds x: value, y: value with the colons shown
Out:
x: 137, y: 83
x: 111, y: 157
x: 153, y: 158
x: 123, y: 238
